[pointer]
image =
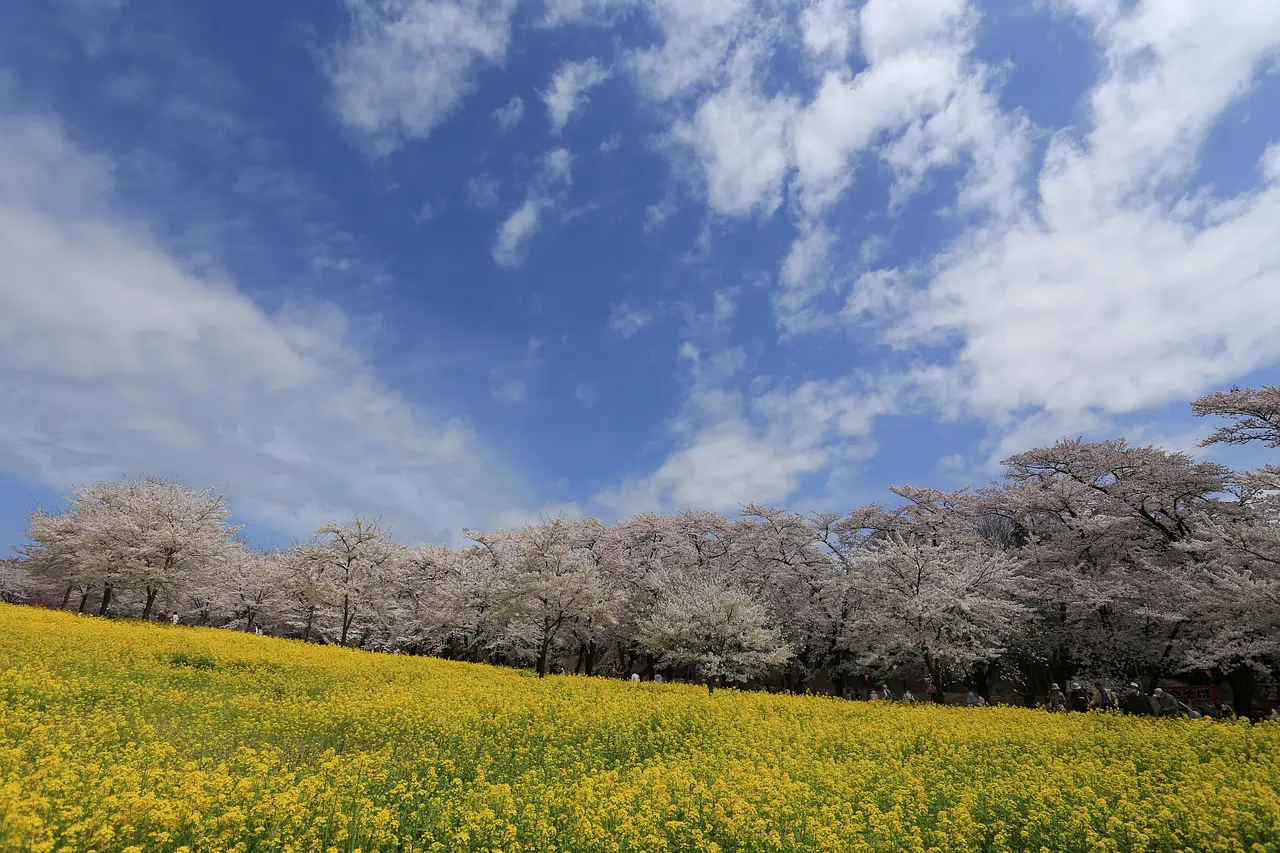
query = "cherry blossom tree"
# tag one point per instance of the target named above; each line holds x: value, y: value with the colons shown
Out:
x: 16, y: 581
x: 354, y: 560
x: 807, y: 571
x: 1238, y: 589
x: 715, y: 625
x: 551, y: 583
x: 1255, y: 415
x: 936, y: 607
x: 251, y: 586
x: 148, y: 536
x: 1104, y: 521
x: 53, y: 556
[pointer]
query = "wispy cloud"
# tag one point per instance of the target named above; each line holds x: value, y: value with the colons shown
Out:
x: 119, y: 360
x: 482, y: 191
x: 568, y: 90
x: 510, y: 114
x: 626, y: 320
x: 517, y: 230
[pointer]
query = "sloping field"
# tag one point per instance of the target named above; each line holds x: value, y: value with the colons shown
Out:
x: 124, y: 736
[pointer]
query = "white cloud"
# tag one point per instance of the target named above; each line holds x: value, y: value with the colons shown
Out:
x: 741, y: 140
x: 567, y: 510
x: 517, y: 231
x: 116, y: 359
x: 509, y: 114
x: 828, y: 28
x: 626, y: 320
x: 1124, y: 285
x: 877, y: 295
x: 724, y: 308
x: 849, y: 113
x: 734, y: 448
x: 557, y: 165
x: 520, y: 227
x: 568, y: 90
x: 705, y: 42
x: 406, y: 64
x: 889, y: 28
x: 599, y: 12
x: 805, y: 275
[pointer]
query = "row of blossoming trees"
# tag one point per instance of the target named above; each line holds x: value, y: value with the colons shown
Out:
x: 1102, y: 560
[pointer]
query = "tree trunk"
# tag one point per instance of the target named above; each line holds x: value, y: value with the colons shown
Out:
x: 306, y: 632
x: 935, y: 678
x: 544, y: 650
x: 248, y: 625
x: 982, y: 681
x: 84, y: 602
x: 589, y: 662
x: 1241, y: 680
x: 106, y: 600
x: 346, y: 619
x: 66, y: 597
x: 151, y: 601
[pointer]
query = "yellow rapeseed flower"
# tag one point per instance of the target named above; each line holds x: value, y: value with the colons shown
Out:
x: 110, y: 743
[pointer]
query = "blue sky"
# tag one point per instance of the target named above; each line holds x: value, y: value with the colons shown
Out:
x: 461, y: 263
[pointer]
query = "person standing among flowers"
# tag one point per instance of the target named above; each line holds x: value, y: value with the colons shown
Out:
x: 1136, y: 702
x: 1057, y: 703
x: 1079, y: 698
x: 1165, y: 704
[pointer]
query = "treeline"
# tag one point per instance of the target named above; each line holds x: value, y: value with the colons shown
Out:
x: 1099, y: 560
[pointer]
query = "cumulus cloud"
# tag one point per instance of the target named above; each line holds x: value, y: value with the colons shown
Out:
x: 1124, y: 285
x: 828, y: 28
x: 741, y: 140
x: 407, y: 64
x: 705, y: 43
x: 116, y: 358
x: 568, y: 90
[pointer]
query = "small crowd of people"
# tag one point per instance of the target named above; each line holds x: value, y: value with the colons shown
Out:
x: 1135, y: 701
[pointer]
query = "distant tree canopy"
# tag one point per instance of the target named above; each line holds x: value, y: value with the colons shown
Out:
x: 1095, y: 559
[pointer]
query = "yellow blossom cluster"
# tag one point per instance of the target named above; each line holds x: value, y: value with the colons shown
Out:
x: 120, y: 736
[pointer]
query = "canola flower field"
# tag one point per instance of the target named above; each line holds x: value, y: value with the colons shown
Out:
x: 118, y: 736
